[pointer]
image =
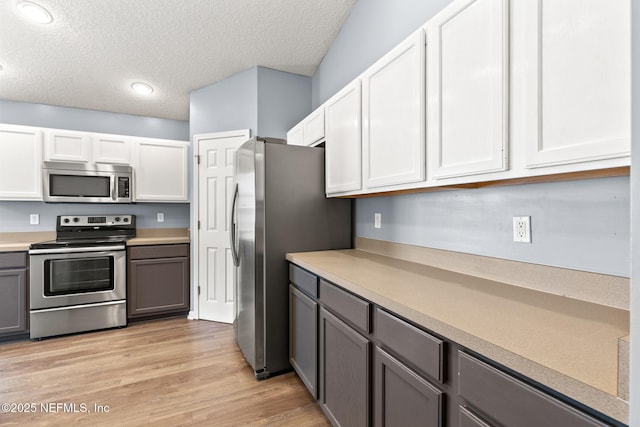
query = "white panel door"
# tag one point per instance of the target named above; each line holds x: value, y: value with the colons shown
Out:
x: 393, y: 110
x: 67, y: 146
x: 20, y: 163
x: 578, y: 81
x: 113, y: 149
x: 467, y: 88
x: 343, y: 140
x: 215, y: 269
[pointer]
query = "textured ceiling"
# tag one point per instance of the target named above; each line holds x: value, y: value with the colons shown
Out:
x: 92, y: 52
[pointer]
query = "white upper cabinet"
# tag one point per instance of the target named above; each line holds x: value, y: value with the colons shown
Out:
x: 393, y: 111
x: 86, y: 147
x: 114, y: 149
x: 20, y: 163
x: 160, y: 169
x: 576, y: 79
x: 343, y: 140
x: 309, y: 131
x: 513, y: 89
x: 295, y: 136
x: 468, y: 88
x: 67, y: 146
x: 314, y: 126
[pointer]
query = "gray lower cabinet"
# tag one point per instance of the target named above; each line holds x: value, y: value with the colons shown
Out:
x: 14, y: 304
x: 158, y: 281
x: 510, y: 402
x: 303, y: 338
x: 344, y: 372
x: 468, y: 419
x: 376, y: 368
x: 402, y: 397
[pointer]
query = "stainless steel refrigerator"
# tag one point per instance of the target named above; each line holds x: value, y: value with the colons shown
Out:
x: 279, y: 206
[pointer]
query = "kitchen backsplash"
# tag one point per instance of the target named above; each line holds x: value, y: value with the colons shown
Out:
x: 14, y: 216
x: 580, y: 225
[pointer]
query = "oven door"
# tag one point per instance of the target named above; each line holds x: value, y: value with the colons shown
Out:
x: 73, y: 276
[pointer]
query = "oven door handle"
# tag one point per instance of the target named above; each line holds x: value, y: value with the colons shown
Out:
x: 233, y: 228
x: 78, y: 250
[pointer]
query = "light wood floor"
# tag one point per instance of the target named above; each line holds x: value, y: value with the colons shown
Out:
x: 163, y: 373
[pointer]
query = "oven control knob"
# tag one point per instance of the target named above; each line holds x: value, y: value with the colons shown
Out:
x: 117, y: 219
x: 76, y: 219
x: 125, y: 219
x: 66, y: 221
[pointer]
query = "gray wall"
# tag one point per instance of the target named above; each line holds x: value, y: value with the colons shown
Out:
x: 27, y: 114
x: 634, y: 416
x: 583, y: 225
x: 269, y: 102
x: 14, y: 216
x: 227, y: 105
x: 283, y: 100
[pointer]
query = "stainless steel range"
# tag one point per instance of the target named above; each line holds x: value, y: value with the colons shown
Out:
x: 78, y: 281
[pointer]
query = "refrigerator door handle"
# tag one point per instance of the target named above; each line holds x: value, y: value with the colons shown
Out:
x: 232, y: 234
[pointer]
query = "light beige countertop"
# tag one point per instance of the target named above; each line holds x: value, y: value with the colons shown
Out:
x: 566, y: 344
x: 20, y: 241
x: 160, y: 236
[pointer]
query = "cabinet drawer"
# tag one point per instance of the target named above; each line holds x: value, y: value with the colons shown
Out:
x: 158, y: 251
x: 346, y: 305
x: 303, y: 280
x: 13, y: 259
x: 511, y: 402
x: 415, y: 347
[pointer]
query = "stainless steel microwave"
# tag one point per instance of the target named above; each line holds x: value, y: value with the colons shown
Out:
x: 86, y: 183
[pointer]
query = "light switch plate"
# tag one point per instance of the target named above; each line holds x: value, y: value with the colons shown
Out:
x: 160, y: 217
x: 34, y: 219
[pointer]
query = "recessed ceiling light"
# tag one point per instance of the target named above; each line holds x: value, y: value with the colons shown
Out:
x: 142, y: 88
x: 34, y: 12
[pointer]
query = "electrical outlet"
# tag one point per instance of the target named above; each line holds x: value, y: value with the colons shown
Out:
x: 377, y: 220
x: 34, y: 219
x: 160, y: 217
x: 522, y: 229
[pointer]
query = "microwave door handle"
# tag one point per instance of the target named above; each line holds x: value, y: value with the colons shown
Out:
x: 113, y: 188
x: 232, y: 228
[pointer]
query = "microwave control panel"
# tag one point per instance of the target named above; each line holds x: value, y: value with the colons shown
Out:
x: 123, y: 187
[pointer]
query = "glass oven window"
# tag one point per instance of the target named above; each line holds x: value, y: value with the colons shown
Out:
x: 79, y: 186
x: 78, y: 275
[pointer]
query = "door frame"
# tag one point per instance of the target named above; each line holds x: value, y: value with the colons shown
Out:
x: 195, y: 207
